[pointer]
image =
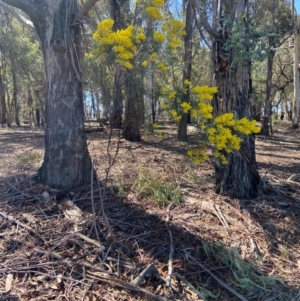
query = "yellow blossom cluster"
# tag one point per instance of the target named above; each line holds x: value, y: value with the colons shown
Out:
x: 204, y: 92
x: 223, y: 132
x: 159, y: 37
x: 152, y: 8
x: 175, y: 115
x: 122, y: 42
x: 153, y: 12
x: 174, y: 31
x: 162, y: 67
x: 198, y: 154
x: 186, y: 107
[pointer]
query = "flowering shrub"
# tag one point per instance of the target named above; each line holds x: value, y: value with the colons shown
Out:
x: 224, y: 132
x: 122, y: 45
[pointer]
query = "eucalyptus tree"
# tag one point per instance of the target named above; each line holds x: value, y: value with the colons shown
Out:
x: 229, y: 32
x: 57, y: 25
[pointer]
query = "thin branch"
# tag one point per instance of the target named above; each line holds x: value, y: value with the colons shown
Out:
x: 170, y: 262
x: 189, y: 285
x: 27, y: 6
x: 203, y: 21
x: 87, y: 7
x: 22, y: 19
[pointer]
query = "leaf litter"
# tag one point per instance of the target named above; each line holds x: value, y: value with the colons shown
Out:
x: 117, y: 243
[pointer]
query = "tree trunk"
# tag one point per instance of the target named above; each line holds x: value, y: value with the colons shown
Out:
x: 149, y: 99
x: 187, y: 70
x: 66, y: 161
x: 265, y: 130
x: 131, y: 131
x: 38, y: 117
x: 117, y: 8
x: 15, y: 98
x: 3, y: 116
x: 240, y: 177
x: 296, y: 100
x: 117, y: 111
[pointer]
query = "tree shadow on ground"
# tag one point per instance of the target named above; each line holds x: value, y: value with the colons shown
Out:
x: 135, y: 233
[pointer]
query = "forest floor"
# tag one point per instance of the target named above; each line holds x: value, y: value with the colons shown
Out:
x: 128, y: 242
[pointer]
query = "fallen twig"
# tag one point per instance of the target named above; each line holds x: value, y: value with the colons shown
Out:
x: 221, y: 282
x: 189, y: 285
x: 170, y: 266
x: 221, y: 217
x: 128, y: 286
x: 149, y: 269
x: 91, y: 241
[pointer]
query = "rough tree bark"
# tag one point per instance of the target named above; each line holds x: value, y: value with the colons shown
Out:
x: 240, y: 177
x: 66, y: 161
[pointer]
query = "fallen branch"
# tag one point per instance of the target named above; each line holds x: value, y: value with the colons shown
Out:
x: 147, y: 271
x: 170, y: 264
x: 125, y: 285
x: 294, y: 177
x: 91, y: 241
x: 189, y: 285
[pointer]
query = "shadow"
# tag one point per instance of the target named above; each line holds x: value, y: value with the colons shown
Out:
x: 138, y: 234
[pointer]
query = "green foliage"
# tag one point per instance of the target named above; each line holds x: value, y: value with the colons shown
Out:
x: 33, y: 157
x: 156, y: 188
x: 118, y: 187
x: 244, y: 275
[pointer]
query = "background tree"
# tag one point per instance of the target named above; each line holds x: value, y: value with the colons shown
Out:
x: 187, y: 68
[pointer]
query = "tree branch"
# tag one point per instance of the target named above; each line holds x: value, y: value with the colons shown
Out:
x: 25, y: 5
x: 22, y: 19
x: 87, y: 7
x: 203, y: 20
x: 32, y: 9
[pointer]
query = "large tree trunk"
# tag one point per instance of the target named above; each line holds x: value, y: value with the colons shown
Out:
x: 240, y: 177
x: 66, y: 160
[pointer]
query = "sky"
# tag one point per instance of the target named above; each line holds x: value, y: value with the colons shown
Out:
x: 297, y: 5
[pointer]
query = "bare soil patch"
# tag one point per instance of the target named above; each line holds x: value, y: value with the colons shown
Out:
x: 84, y: 244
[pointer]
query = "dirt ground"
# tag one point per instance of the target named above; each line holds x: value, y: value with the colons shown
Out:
x: 93, y: 243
